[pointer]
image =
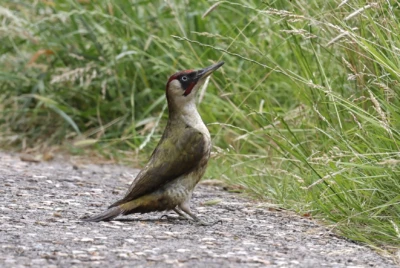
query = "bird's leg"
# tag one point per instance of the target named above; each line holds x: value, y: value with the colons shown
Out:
x: 185, y: 207
x: 181, y: 215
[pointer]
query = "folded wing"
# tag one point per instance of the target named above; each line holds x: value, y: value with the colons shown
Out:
x: 174, y: 156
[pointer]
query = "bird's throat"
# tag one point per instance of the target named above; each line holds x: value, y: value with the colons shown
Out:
x: 189, y: 116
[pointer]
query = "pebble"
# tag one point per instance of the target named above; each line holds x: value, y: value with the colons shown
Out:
x: 181, y: 250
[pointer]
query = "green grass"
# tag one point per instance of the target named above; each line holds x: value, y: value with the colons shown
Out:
x: 305, y: 112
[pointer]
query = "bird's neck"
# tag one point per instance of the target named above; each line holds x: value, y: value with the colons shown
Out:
x: 187, y: 115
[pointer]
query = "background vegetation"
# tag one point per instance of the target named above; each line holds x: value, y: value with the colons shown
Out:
x: 305, y: 112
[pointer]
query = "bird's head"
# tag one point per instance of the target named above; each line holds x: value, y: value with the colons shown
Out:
x: 182, y: 86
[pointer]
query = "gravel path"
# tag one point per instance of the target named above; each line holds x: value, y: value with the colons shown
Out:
x: 41, y: 204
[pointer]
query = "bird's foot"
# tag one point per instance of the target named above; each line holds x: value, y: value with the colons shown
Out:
x: 172, y: 218
x: 204, y: 223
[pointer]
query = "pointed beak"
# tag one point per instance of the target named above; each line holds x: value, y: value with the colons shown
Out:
x: 203, y: 73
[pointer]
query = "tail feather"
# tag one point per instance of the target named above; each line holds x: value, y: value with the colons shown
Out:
x: 107, y: 215
x: 115, y: 204
x: 139, y: 205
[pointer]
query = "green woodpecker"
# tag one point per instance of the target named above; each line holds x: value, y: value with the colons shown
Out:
x: 179, y: 160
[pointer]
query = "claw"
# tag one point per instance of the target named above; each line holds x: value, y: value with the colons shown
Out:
x: 170, y: 218
x: 165, y: 215
x: 203, y: 223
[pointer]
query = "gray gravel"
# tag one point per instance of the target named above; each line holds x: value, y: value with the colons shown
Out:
x: 41, y: 204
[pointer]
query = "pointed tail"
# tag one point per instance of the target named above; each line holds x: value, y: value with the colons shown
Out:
x: 107, y: 215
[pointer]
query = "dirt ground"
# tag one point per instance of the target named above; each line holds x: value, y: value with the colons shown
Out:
x: 41, y: 204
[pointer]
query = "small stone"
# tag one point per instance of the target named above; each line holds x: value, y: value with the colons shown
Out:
x: 97, y: 258
x: 155, y: 258
x: 38, y: 261
x: 182, y: 250
x: 162, y: 237
x: 76, y: 252
x: 207, y: 239
x: 123, y: 255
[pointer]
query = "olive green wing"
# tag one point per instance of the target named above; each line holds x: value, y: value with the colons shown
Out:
x: 173, y: 157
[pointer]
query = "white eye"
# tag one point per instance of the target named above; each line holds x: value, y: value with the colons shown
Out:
x: 184, y: 78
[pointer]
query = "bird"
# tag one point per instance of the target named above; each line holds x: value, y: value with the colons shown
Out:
x: 179, y: 160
